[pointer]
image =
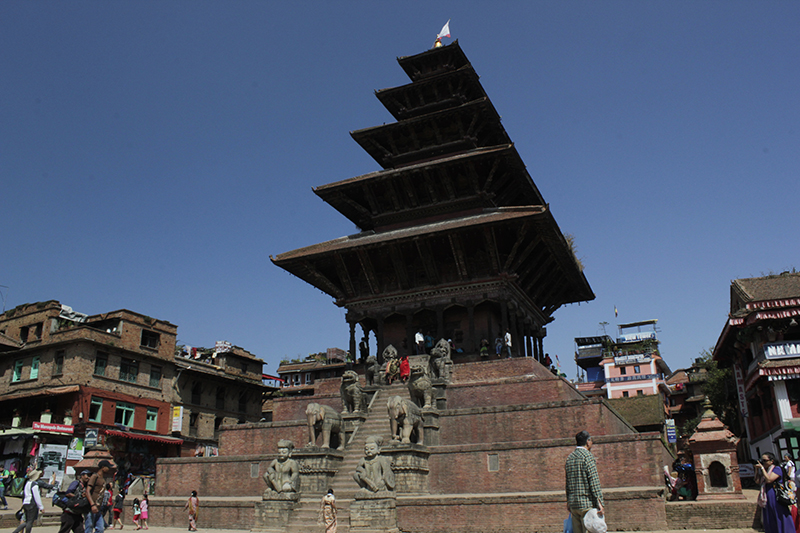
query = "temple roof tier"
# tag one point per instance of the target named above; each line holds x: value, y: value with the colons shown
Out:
x: 434, y: 61
x: 443, y: 91
x: 439, y: 134
x: 523, y: 244
x: 483, y: 178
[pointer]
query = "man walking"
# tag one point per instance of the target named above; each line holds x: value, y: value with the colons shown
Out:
x: 72, y: 519
x: 95, y: 523
x: 583, y: 483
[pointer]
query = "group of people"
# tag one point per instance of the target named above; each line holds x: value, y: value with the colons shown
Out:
x: 502, y: 343
x: 97, y: 508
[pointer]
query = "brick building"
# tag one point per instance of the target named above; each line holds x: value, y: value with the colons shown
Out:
x: 299, y: 376
x: 761, y: 341
x: 67, y: 378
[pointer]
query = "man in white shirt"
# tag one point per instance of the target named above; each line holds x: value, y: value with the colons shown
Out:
x: 31, y: 501
x: 419, y: 339
x: 508, y: 343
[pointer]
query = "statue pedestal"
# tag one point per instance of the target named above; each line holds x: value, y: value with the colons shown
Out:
x: 318, y: 466
x: 410, y: 466
x: 374, y: 512
x: 272, y: 514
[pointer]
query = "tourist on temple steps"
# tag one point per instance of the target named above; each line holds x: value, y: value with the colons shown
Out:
x: 363, y: 349
x: 507, y: 342
x: 776, y: 517
x: 583, y: 482
x: 498, y: 343
x: 405, y: 368
x: 419, y: 340
x: 327, y: 512
x: 484, y: 349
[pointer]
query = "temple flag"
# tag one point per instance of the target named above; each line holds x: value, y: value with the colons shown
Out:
x: 445, y: 30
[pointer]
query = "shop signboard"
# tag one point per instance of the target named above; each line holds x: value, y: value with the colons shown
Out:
x: 53, y: 428
x: 52, y: 460
x: 75, y: 449
x: 91, y: 437
x: 672, y: 436
x: 177, y: 418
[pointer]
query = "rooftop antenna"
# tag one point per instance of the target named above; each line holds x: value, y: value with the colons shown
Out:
x: 603, y: 325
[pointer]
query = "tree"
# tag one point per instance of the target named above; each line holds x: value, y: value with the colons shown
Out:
x: 720, y: 389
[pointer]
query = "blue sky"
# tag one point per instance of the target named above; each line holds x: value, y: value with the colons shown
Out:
x: 154, y: 154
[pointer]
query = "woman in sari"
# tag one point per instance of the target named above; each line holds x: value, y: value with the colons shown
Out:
x: 192, y: 505
x: 328, y: 512
x: 776, y: 517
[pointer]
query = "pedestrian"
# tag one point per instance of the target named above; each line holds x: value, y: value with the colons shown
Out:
x: 192, y: 505
x: 419, y: 340
x: 95, y: 523
x: 405, y: 368
x: 507, y: 342
x: 72, y: 519
x: 776, y: 517
x: 31, y: 502
x: 327, y: 512
x: 119, y: 502
x: 5, y: 479
x: 583, y: 482
x: 144, y: 505
x: 137, y: 513
x: 484, y: 350
x: 105, y: 505
x: 498, y: 343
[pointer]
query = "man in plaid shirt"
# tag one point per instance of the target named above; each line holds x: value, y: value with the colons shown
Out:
x: 583, y: 483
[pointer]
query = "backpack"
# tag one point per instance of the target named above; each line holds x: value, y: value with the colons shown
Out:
x: 77, y: 504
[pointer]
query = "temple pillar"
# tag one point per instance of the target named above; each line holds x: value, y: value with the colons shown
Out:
x: 439, y: 324
x: 353, y: 353
x: 379, y: 340
x: 503, y: 318
x: 540, y: 346
x: 471, y: 344
x: 412, y: 345
x: 528, y: 346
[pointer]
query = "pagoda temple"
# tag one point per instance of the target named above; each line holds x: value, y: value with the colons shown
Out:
x: 456, y: 240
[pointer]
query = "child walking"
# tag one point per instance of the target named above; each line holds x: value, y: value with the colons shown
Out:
x: 137, y: 513
x: 119, y: 501
x: 144, y: 505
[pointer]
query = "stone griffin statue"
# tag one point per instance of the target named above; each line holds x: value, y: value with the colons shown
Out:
x: 326, y: 420
x: 353, y: 397
x: 372, y: 370
x: 374, y: 473
x: 283, y: 473
x: 441, y: 364
x: 404, y: 418
x: 420, y: 388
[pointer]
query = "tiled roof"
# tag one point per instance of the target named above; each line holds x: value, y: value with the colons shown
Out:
x: 775, y: 287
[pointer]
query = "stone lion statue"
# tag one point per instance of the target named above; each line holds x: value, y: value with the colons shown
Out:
x: 373, y: 369
x: 326, y: 420
x: 353, y: 397
x: 440, y: 363
x: 404, y: 418
x: 420, y: 388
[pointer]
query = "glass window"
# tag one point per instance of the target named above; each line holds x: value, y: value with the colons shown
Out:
x: 639, y: 393
x: 152, y: 419
x: 58, y: 364
x: 150, y: 339
x: 17, y: 376
x: 636, y: 369
x: 128, y: 370
x: 155, y: 376
x: 35, y: 368
x: 96, y: 410
x: 100, y: 363
x: 124, y: 414
x: 623, y: 371
x: 625, y: 394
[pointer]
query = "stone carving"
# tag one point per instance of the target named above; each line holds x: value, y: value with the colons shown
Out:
x: 283, y: 473
x: 420, y: 388
x: 374, y: 472
x: 326, y: 420
x: 353, y: 397
x: 404, y: 418
x: 372, y: 370
x: 441, y: 364
x: 391, y: 365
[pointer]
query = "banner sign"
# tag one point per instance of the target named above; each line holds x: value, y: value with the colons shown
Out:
x: 177, y: 418
x: 633, y: 359
x: 75, y: 449
x: 53, y: 428
x: 782, y: 350
x: 740, y: 392
x: 635, y: 377
x: 91, y: 437
x: 672, y: 435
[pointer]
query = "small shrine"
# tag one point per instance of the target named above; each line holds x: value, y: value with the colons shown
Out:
x: 714, y: 449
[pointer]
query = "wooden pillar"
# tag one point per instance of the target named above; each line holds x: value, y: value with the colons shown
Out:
x: 412, y: 345
x: 439, y: 325
x: 471, y: 344
x: 540, y: 343
x: 379, y: 340
x: 353, y: 352
x: 528, y: 346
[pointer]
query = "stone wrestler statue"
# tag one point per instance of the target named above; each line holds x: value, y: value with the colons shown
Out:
x: 374, y: 473
x: 283, y: 473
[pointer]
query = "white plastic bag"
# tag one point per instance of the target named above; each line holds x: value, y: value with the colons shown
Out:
x: 594, y: 523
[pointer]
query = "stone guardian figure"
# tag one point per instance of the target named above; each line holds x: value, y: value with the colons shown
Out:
x: 283, y: 473
x: 374, y: 472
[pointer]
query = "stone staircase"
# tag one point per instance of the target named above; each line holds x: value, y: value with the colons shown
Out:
x: 306, y: 512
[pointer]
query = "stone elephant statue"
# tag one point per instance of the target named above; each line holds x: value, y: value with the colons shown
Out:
x: 420, y: 387
x: 353, y: 397
x: 404, y: 418
x: 326, y: 420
